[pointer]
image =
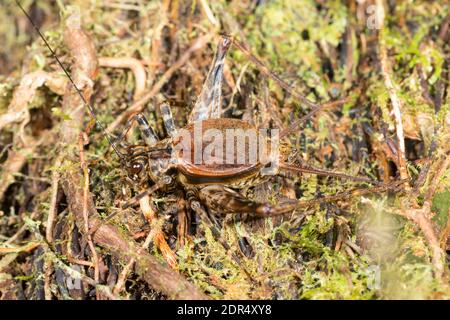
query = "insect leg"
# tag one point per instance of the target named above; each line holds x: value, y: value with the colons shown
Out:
x: 147, y: 132
x: 226, y: 200
x: 265, y: 71
x: 168, y: 119
x: 268, y: 73
x: 209, y: 103
x: 197, y: 207
x: 183, y: 219
x: 328, y: 173
x: 293, y: 128
x: 160, y: 241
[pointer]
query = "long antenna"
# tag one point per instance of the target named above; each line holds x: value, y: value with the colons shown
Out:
x: 87, y: 104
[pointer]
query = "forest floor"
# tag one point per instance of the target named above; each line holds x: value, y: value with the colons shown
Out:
x: 64, y: 230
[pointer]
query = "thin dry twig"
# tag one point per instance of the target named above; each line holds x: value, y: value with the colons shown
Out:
x: 135, y: 65
x: 395, y: 100
x: 85, y: 209
x: 15, y: 249
x: 54, y: 193
x: 21, y: 230
x: 107, y: 235
x: 209, y: 14
x: 139, y: 105
x: 52, y: 212
x: 434, y: 182
x: 126, y: 270
x: 75, y: 274
x: 18, y: 158
x: 419, y: 216
x: 47, y: 280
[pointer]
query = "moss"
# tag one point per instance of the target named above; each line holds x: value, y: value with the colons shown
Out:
x: 380, y: 254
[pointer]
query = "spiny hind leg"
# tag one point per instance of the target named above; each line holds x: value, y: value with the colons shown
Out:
x: 305, y: 168
x: 147, y: 132
x: 209, y: 102
x: 225, y: 200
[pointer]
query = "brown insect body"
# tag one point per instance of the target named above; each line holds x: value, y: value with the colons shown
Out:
x: 159, y: 165
x: 232, y: 174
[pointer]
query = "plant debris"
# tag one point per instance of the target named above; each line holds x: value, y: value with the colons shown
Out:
x: 379, y: 70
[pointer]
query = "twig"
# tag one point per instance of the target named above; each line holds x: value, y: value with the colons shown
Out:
x: 262, y: 67
x: 49, y: 227
x: 434, y: 183
x: 17, y: 159
x: 136, y: 66
x: 445, y: 234
x: 85, y: 209
x: 395, y: 101
x: 426, y: 166
x: 424, y: 85
x: 47, y: 280
x: 123, y: 275
x: 209, y: 14
x: 21, y: 230
x: 52, y: 210
x: 154, y: 62
x: 78, y: 275
x: 236, y: 88
x: 419, y: 216
x: 443, y: 30
x: 25, y: 248
x: 161, y: 278
x: 139, y: 105
x: 73, y: 260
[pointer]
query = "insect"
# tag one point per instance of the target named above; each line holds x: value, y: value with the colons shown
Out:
x: 214, y: 184
x: 211, y: 183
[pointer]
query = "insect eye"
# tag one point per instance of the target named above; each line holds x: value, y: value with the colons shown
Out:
x: 135, y: 168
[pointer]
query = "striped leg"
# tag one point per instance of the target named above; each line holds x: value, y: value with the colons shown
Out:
x: 147, y: 132
x: 168, y: 119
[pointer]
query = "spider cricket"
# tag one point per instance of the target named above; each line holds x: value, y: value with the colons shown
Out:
x: 212, y: 183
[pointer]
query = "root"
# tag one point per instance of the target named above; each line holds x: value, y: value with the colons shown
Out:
x: 136, y: 66
x: 80, y: 200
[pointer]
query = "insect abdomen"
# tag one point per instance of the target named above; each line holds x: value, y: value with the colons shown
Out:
x: 218, y: 151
